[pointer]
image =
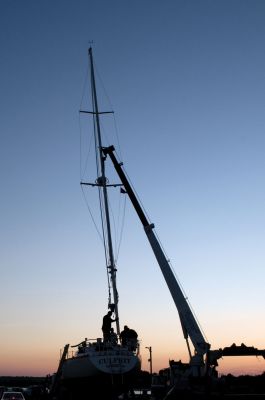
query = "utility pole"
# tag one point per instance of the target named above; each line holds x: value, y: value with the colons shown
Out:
x: 150, y: 359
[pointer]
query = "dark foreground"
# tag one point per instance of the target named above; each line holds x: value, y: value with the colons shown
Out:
x: 228, y: 388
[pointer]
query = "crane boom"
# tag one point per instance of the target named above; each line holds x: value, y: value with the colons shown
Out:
x: 188, y: 321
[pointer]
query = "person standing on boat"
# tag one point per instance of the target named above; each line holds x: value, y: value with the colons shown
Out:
x: 132, y: 339
x: 106, y: 326
x: 129, y: 338
x: 124, y: 335
x: 113, y: 337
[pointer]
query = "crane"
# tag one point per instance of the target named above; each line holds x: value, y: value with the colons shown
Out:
x: 189, y: 324
x: 203, y: 360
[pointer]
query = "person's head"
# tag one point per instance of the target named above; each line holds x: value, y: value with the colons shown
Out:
x: 109, y: 312
x: 126, y: 327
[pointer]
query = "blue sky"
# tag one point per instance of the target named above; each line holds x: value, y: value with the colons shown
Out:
x: 186, y: 81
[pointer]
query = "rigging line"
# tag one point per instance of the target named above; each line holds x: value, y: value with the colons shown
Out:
x: 82, y: 172
x: 102, y: 198
x: 90, y: 212
x: 107, y: 138
x: 80, y: 151
x: 80, y: 130
x: 105, y: 241
x: 198, y: 322
x: 98, y: 172
x: 84, y: 87
x: 135, y: 192
x: 104, y: 238
x: 117, y: 136
x: 100, y: 194
x: 101, y: 82
x: 111, y: 107
x: 122, y: 226
x: 95, y: 134
x: 119, y: 226
x: 114, y: 224
x: 183, y: 291
x: 116, y: 228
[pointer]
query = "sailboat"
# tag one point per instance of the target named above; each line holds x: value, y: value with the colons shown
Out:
x: 103, y: 365
x: 100, y: 365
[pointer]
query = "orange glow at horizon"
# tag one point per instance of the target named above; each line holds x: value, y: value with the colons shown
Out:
x: 245, y: 365
x: 25, y: 362
x: 41, y: 363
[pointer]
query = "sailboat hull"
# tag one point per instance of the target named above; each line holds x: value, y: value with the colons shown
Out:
x: 92, y: 364
x: 100, y: 373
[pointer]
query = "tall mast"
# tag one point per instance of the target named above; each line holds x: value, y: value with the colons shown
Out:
x: 102, y: 184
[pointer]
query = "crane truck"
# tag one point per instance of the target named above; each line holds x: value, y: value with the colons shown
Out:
x: 203, y: 360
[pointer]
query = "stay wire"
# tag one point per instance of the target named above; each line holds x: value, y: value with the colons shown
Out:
x: 111, y: 108
x: 116, y: 229
x: 180, y: 285
x: 122, y: 227
x: 102, y: 235
x: 90, y: 140
x: 82, y: 173
x: 101, y: 201
x: 91, y: 215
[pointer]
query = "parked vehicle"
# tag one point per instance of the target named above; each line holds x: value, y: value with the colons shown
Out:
x: 2, y: 390
x: 12, y: 396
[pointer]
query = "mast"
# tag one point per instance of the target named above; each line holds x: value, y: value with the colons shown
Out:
x: 102, y: 184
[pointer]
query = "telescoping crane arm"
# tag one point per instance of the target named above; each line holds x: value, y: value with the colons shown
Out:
x: 188, y: 322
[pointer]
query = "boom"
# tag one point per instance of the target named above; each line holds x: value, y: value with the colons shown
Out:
x: 188, y: 322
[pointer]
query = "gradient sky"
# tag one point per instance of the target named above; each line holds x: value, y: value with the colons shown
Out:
x: 186, y: 79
